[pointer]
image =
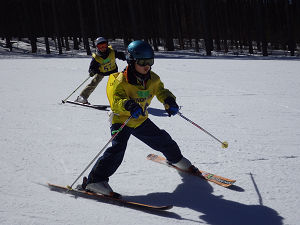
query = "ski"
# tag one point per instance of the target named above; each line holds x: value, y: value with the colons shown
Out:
x: 222, y: 181
x: 99, y: 107
x: 107, y: 199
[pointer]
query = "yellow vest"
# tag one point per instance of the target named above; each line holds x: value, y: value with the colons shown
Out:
x: 108, y: 64
x: 119, y: 91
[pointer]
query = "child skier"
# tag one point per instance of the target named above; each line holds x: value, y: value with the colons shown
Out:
x: 103, y: 64
x: 130, y: 93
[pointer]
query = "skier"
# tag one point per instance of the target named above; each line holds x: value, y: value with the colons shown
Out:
x: 130, y: 93
x: 103, y: 64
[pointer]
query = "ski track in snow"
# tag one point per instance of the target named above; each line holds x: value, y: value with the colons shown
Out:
x: 252, y: 104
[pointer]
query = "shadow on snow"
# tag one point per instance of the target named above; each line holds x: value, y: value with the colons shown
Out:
x: 157, y: 112
x: 215, y: 210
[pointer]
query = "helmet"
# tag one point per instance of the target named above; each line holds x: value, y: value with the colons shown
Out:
x: 140, y: 50
x: 101, y: 40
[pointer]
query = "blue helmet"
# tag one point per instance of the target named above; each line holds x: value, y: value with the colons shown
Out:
x: 140, y: 50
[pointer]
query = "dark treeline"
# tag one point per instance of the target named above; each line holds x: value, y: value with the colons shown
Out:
x: 219, y: 24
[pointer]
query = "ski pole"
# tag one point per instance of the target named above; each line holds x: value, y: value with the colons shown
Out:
x: 110, y: 140
x: 224, y: 143
x: 64, y: 101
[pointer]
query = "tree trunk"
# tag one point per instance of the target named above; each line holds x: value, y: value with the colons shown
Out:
x: 207, y: 32
x: 155, y: 45
x: 33, y: 44
x: 169, y: 44
x: 250, y: 47
x: 197, y: 47
x: 290, y: 26
x: 87, y: 46
x: 67, y: 44
x: 59, y: 46
x: 47, y: 45
x: 225, y: 46
x: 83, y: 29
x: 8, y: 44
x: 76, y: 44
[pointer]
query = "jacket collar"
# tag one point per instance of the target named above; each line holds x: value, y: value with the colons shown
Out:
x: 135, y: 78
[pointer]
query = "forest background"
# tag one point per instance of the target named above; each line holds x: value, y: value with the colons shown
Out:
x: 263, y: 27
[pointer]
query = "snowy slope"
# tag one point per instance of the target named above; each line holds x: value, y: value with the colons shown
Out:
x: 252, y: 104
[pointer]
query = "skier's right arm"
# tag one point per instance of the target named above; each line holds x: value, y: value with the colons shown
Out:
x: 94, y: 68
x: 122, y: 103
x: 134, y: 108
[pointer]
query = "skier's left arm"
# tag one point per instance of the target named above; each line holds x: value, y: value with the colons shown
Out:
x: 119, y: 98
x: 94, y: 68
x: 120, y: 55
x: 168, y: 99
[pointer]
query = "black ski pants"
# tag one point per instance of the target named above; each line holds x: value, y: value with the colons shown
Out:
x: 148, y: 133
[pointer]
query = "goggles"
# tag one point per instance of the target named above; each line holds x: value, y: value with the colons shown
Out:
x: 145, y: 62
x: 102, y: 46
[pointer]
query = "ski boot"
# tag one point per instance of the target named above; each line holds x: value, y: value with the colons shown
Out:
x: 82, y: 100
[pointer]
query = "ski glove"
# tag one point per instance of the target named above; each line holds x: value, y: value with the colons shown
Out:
x: 92, y: 74
x: 134, y: 108
x: 120, y: 55
x: 94, y: 67
x: 171, y: 106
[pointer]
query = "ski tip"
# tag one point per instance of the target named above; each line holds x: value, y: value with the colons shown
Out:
x: 168, y: 207
x: 165, y: 207
x: 152, y: 156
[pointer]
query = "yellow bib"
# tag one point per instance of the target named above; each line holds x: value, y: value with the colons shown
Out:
x: 118, y: 91
x: 108, y: 64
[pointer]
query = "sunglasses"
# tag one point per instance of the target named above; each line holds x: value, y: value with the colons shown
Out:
x: 145, y: 62
x: 102, y: 46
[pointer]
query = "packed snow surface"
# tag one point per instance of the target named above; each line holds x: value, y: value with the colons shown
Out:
x: 251, y: 103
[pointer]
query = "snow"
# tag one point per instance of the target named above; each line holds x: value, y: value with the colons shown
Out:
x: 252, y: 104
